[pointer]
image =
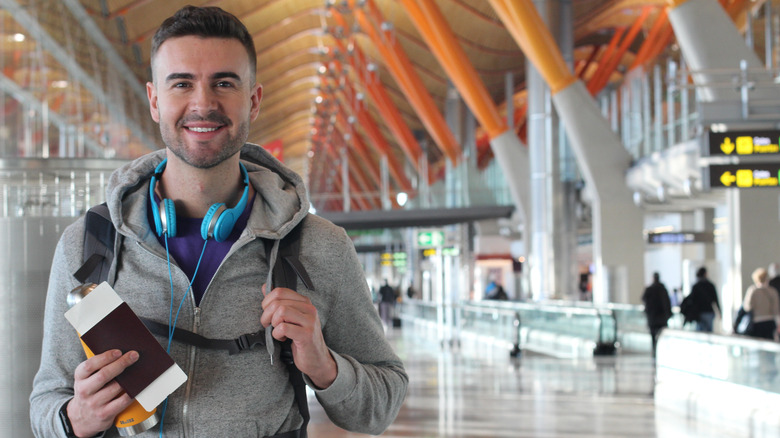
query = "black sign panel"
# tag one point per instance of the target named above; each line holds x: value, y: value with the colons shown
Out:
x: 742, y: 143
x: 744, y: 175
x: 680, y: 237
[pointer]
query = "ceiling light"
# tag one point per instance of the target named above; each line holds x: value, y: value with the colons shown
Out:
x: 18, y: 37
x: 719, y: 127
x: 401, y: 198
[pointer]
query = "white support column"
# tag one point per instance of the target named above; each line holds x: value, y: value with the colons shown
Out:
x: 542, y: 255
x: 618, y: 245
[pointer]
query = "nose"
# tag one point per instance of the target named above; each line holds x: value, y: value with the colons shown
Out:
x: 203, y: 100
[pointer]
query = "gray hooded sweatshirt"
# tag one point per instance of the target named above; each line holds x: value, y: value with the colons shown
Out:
x: 247, y: 394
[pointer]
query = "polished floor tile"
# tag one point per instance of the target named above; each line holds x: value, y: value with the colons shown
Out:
x: 475, y: 390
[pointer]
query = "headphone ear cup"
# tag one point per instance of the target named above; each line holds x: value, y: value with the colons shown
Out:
x: 225, y: 222
x: 158, y: 226
x: 168, y: 217
x: 208, y: 227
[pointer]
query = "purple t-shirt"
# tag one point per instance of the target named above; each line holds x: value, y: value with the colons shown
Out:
x: 185, y: 248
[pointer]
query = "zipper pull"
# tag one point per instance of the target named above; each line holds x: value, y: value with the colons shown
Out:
x: 197, y: 318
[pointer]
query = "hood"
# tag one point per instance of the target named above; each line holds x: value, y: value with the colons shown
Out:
x: 280, y: 203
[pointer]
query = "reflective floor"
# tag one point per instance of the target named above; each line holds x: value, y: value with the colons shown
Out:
x: 475, y: 390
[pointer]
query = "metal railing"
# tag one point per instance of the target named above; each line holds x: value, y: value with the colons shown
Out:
x: 731, y: 381
x: 599, y: 329
x: 741, y: 360
x: 669, y: 104
x: 552, y: 329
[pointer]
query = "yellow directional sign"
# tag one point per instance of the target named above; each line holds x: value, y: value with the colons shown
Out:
x: 744, y: 142
x: 745, y: 175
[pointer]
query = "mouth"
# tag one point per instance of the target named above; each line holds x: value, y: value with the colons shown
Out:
x: 202, y: 129
x: 208, y: 124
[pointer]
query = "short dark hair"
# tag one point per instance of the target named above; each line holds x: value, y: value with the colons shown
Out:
x: 702, y: 272
x: 206, y: 22
x: 656, y: 276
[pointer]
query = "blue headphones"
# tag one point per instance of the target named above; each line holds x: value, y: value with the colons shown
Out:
x: 218, y: 222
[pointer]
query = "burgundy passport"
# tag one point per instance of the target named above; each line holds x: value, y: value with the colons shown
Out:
x: 121, y: 329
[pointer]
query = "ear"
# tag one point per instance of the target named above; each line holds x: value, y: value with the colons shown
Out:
x: 151, y: 93
x: 256, y: 97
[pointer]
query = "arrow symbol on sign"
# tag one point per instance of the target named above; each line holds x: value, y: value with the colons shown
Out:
x: 727, y: 146
x: 727, y: 178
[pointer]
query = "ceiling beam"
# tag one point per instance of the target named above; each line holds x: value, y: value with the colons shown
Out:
x: 407, y: 78
x: 423, y: 217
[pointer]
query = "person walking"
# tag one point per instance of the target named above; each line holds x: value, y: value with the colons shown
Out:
x: 763, y: 305
x: 702, y: 303
x: 387, y: 300
x: 658, y: 308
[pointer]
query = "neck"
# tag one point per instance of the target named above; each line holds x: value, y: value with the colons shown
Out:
x: 194, y: 190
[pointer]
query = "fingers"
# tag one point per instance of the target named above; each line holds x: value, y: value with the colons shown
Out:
x: 284, y: 305
x: 98, y: 398
x: 293, y: 316
x: 100, y: 369
x: 282, y: 293
x: 94, y: 378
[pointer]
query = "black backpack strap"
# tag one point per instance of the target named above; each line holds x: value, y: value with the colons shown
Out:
x: 98, y: 253
x: 287, y: 270
x: 286, y: 274
x: 299, y: 433
x: 233, y: 346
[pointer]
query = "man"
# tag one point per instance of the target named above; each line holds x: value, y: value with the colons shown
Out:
x: 204, y: 96
x: 387, y: 299
x: 658, y: 307
x: 498, y: 294
x: 702, y: 302
x: 410, y: 292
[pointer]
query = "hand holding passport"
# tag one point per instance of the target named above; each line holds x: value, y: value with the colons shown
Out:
x: 106, y: 322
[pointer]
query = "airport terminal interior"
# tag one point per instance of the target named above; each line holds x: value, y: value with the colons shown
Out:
x: 516, y: 170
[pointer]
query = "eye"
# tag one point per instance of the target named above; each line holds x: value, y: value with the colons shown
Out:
x: 224, y: 84
x: 181, y: 85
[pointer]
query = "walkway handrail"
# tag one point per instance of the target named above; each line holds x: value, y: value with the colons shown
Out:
x: 739, y: 360
x: 521, y: 325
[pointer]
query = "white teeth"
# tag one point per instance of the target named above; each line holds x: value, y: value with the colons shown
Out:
x: 202, y: 129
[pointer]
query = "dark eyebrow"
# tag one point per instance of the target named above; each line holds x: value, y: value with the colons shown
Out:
x: 177, y: 76
x: 226, y: 75
x: 218, y: 75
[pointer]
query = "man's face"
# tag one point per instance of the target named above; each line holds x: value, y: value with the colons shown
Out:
x: 203, y: 97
